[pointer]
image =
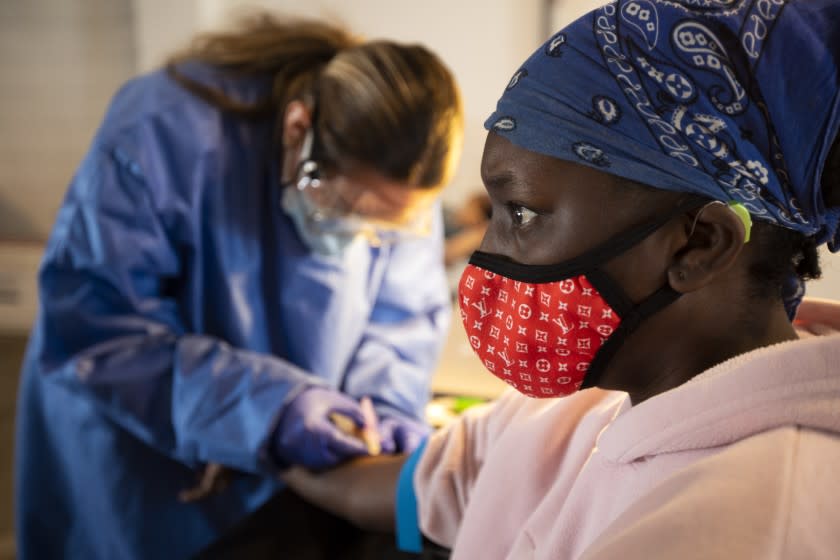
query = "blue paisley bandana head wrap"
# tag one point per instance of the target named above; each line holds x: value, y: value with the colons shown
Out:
x: 729, y: 99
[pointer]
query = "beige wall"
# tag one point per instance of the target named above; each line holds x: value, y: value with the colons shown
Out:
x: 60, y: 61
x: 829, y: 285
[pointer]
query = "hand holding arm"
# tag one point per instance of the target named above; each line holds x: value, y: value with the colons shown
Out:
x: 307, y: 436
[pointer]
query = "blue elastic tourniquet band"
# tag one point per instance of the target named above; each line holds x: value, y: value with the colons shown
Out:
x: 409, y: 538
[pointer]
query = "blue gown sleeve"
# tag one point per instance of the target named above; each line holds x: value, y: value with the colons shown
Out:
x: 112, y: 334
x: 399, y: 350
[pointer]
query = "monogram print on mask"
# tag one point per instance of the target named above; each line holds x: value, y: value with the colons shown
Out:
x: 539, y: 338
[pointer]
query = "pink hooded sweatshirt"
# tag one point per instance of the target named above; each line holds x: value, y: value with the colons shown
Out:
x: 743, y: 461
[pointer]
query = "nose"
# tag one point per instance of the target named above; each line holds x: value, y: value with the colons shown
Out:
x: 492, y: 242
x: 499, y: 242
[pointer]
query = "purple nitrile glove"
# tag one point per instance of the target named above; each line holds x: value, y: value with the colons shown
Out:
x: 400, y: 434
x: 306, y: 436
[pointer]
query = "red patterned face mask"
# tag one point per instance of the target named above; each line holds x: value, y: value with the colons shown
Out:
x: 549, y: 330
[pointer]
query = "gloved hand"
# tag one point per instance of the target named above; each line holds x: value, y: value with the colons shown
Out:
x: 400, y: 434
x: 306, y: 436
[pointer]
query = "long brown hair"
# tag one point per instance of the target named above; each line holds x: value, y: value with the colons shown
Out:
x: 393, y: 107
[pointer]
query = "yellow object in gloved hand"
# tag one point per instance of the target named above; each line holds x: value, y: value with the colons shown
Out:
x: 368, y: 433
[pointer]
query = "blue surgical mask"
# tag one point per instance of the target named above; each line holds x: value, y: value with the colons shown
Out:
x: 326, y: 236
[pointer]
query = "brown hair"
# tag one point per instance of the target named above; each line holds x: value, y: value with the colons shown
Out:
x: 393, y: 107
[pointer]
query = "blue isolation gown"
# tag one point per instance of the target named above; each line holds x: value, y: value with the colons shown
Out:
x: 179, y: 313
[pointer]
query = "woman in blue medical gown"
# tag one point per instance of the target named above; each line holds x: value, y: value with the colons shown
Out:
x: 251, y: 244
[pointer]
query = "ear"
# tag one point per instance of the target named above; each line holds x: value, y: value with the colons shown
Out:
x: 713, y: 239
x: 296, y: 121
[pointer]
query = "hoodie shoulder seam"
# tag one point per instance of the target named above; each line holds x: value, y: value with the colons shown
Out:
x: 788, y: 482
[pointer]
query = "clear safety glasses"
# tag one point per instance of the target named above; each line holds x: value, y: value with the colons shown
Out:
x: 333, y: 208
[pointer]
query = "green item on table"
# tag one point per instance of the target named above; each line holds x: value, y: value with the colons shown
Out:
x: 463, y: 403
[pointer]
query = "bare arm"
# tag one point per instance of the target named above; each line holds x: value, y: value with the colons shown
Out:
x: 362, y: 491
x: 817, y: 317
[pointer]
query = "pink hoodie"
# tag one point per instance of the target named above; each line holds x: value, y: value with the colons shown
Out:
x: 740, y: 462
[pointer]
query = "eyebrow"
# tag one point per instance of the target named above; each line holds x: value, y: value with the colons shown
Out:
x: 499, y: 181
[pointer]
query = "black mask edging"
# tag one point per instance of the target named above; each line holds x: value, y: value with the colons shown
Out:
x: 631, y: 315
x: 655, y: 302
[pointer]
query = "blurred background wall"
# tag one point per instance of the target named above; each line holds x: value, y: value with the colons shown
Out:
x: 60, y: 61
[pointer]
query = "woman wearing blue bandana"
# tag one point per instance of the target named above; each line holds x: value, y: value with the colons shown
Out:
x: 661, y: 174
x: 251, y: 246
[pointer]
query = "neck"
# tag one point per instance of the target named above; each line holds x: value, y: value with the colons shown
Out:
x: 701, y: 346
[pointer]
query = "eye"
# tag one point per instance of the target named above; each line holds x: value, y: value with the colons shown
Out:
x: 521, y: 215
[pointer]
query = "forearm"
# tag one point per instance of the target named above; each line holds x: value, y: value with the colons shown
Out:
x: 362, y: 491
x: 817, y: 316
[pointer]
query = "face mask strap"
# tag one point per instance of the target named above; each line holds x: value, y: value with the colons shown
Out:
x: 654, y: 303
x: 632, y: 316
x: 585, y: 263
x: 660, y: 299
